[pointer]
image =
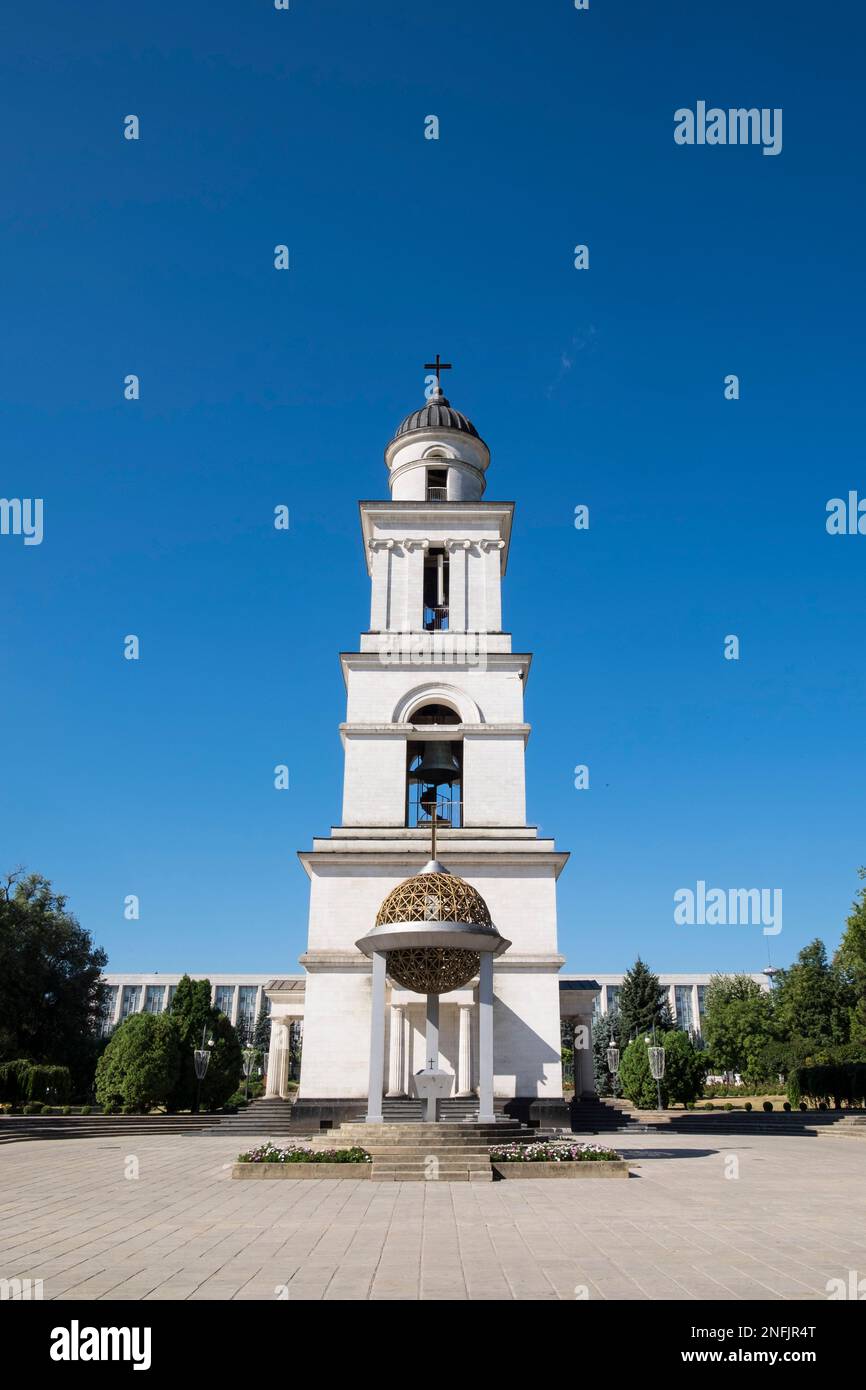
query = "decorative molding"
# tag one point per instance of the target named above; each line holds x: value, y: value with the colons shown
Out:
x: 377, y: 544
x: 458, y: 544
x: 412, y: 543
x: 492, y: 545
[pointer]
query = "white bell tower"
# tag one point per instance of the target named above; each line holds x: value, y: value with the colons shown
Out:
x: 434, y: 728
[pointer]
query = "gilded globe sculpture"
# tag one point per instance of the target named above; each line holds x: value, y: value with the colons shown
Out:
x: 432, y: 929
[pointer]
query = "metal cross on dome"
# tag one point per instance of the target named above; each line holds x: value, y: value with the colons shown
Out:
x: 437, y: 367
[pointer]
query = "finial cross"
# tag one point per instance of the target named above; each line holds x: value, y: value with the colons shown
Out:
x: 437, y: 367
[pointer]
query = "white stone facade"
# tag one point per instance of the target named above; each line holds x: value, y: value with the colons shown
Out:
x: 414, y: 655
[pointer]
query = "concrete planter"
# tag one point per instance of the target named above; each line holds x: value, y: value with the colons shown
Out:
x: 301, y: 1170
x: 602, y: 1168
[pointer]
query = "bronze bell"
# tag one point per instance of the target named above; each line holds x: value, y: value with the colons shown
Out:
x: 438, y: 764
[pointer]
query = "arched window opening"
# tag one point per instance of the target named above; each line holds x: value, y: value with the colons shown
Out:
x: 434, y: 773
x: 435, y: 714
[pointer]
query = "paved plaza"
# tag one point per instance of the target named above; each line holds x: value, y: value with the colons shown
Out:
x: 794, y: 1218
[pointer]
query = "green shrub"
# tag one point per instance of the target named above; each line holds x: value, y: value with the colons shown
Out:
x: 709, y: 1106
x: 787, y: 1106
x: 53, y: 1083
x: 13, y: 1080
x: 66, y: 1110
x: 748, y: 1105
x: 128, y: 1110
x: 33, y: 1107
x: 635, y: 1077
x: 803, y: 1105
x: 109, y: 1108
x: 768, y: 1105
x: 86, y: 1109
x: 141, y: 1063
x: 727, y: 1105
x: 839, y: 1082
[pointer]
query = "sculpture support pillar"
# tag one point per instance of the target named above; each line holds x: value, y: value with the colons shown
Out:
x: 464, y: 1052
x: 432, y: 1061
x: 377, y: 1040
x: 485, y: 1039
x: 397, y: 1064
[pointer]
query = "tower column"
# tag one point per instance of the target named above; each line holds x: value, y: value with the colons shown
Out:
x: 397, y: 1065
x: 485, y: 1039
x: 464, y: 1052
x: 377, y: 1040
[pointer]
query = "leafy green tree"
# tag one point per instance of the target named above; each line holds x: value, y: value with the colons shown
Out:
x: 141, y: 1063
x: 811, y: 1000
x: 738, y: 1025
x: 605, y: 1029
x: 685, y: 1067
x: 51, y: 990
x: 195, y: 1018
x: 850, y: 961
x: 636, y: 1078
x: 262, y: 1030
x: 642, y: 1002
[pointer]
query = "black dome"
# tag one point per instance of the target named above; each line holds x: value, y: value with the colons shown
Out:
x: 436, y: 414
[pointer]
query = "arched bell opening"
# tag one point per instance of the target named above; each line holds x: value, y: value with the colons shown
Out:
x: 434, y: 779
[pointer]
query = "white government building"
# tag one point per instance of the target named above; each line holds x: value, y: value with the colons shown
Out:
x: 434, y: 736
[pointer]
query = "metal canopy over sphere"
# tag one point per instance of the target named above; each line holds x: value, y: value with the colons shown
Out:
x: 433, y: 929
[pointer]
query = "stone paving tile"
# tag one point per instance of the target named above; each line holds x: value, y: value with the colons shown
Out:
x: 792, y: 1220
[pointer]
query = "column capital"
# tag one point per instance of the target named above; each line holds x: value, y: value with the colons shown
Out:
x: 378, y: 544
x: 492, y: 545
x: 413, y: 543
x: 460, y: 544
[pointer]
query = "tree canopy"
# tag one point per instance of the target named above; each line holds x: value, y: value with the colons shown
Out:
x: 642, y: 1002
x: 51, y: 990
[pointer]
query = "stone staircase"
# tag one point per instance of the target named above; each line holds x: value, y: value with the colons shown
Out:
x: 450, y: 1110
x: 420, y: 1152
x: 269, y: 1116
x: 603, y: 1115
x: 15, y: 1128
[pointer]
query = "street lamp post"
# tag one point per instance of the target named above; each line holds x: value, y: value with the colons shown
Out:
x: 201, y: 1059
x: 249, y: 1061
x: 613, y: 1063
x: 657, y: 1064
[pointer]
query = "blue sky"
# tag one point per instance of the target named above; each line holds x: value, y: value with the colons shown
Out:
x: 602, y: 387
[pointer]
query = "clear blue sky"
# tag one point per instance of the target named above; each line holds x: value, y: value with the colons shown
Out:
x: 602, y: 387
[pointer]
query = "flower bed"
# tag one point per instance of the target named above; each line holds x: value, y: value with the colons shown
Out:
x: 552, y: 1151
x: 299, y: 1153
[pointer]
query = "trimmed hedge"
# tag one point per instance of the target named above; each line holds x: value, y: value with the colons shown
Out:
x: 839, y: 1083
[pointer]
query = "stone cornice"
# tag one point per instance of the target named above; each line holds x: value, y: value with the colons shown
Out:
x: 390, y: 860
x: 452, y: 516
x: 518, y: 662
x: 432, y: 733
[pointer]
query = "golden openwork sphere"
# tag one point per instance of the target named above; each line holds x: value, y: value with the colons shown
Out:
x: 434, y: 898
x: 433, y: 969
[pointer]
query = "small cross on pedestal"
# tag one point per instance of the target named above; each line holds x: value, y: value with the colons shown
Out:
x: 437, y: 367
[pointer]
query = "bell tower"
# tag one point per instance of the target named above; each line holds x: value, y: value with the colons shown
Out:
x: 434, y: 734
